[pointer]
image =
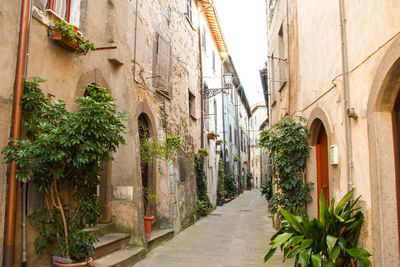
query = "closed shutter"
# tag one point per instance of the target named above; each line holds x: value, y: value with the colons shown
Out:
x: 163, y: 66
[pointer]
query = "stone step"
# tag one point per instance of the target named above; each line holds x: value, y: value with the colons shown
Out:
x: 125, y: 257
x: 158, y: 236
x: 109, y: 243
x: 100, y: 229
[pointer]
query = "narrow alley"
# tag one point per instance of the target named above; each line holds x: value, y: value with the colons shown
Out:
x: 236, y: 234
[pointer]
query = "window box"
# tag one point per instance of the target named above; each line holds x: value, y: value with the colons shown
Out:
x: 63, y: 41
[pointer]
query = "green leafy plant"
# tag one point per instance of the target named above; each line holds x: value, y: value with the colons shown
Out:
x: 203, y: 207
x: 330, y: 240
x: 249, y: 179
x: 153, y: 148
x: 221, y: 177
x: 63, y: 153
x: 201, y: 182
x: 230, y: 184
x: 287, y: 143
x: 236, y: 158
x: 266, y: 190
x: 69, y: 32
x: 203, y: 152
x: 148, y: 198
x: 213, y: 134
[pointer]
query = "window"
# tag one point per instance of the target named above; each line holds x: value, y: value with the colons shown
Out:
x: 213, y: 60
x: 192, y: 105
x: 66, y: 9
x: 281, y: 56
x: 204, y: 39
x: 230, y: 133
x: 162, y: 67
x: 272, y: 81
x: 236, y: 136
x: 215, y: 116
x: 188, y: 10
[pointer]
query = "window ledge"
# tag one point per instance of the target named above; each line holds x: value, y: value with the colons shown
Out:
x: 282, y: 86
x: 190, y: 23
x: 193, y: 117
x: 163, y: 95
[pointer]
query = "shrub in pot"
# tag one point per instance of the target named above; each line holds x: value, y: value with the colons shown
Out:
x: 329, y: 240
x: 63, y: 153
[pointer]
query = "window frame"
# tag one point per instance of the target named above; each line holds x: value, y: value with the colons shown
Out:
x: 52, y: 6
x: 189, y: 10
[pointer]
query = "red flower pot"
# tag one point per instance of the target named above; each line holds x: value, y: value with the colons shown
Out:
x: 218, y: 142
x: 229, y: 197
x: 210, y: 136
x: 147, y: 224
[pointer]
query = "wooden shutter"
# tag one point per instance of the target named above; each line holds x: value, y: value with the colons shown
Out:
x: 163, y: 66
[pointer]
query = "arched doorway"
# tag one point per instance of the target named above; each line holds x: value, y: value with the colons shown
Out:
x: 322, y: 163
x: 383, y: 140
x: 147, y: 185
x: 396, y: 147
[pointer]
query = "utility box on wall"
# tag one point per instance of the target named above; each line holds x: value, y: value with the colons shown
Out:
x: 334, y: 155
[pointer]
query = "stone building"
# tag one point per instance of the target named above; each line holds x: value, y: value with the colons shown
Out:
x: 258, y: 162
x: 226, y: 109
x: 336, y: 63
x: 149, y: 57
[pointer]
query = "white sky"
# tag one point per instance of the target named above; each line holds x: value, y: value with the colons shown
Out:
x: 245, y: 30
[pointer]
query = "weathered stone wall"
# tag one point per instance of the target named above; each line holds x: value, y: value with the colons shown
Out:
x: 112, y: 23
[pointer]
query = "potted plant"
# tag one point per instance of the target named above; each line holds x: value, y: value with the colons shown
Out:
x: 63, y: 154
x: 203, y: 207
x: 67, y: 36
x: 203, y: 152
x: 329, y: 240
x: 235, y: 158
x: 249, y: 180
x: 212, y: 135
x: 218, y: 142
x: 148, y: 199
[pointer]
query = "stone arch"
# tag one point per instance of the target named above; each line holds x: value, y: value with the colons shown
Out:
x: 317, y: 118
x: 93, y: 76
x: 385, y: 87
x: 143, y: 112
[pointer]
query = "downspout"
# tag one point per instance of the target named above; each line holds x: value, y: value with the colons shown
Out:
x: 288, y: 54
x: 345, y: 69
x: 135, y: 41
x: 9, y: 244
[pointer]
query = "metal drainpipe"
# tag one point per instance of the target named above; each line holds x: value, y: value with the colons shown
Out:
x: 9, y: 244
x: 345, y: 69
x: 288, y: 55
x: 135, y: 41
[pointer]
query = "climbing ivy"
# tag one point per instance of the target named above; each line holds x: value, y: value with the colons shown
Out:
x: 221, y: 192
x: 201, y: 179
x: 287, y: 142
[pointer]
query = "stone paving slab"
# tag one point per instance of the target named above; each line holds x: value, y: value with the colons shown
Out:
x: 234, y: 235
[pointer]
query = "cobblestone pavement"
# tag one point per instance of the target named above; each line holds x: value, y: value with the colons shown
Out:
x: 236, y: 234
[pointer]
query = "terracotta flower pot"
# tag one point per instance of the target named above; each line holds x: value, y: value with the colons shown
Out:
x: 218, y: 142
x: 147, y: 225
x: 229, y: 197
x: 78, y: 264
x: 210, y: 136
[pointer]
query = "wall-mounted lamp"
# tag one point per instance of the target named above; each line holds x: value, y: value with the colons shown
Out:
x: 210, y: 92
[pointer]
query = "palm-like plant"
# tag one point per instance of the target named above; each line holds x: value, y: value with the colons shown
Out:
x: 330, y: 240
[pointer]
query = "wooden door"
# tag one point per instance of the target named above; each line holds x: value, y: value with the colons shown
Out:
x: 396, y: 146
x: 322, y: 164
